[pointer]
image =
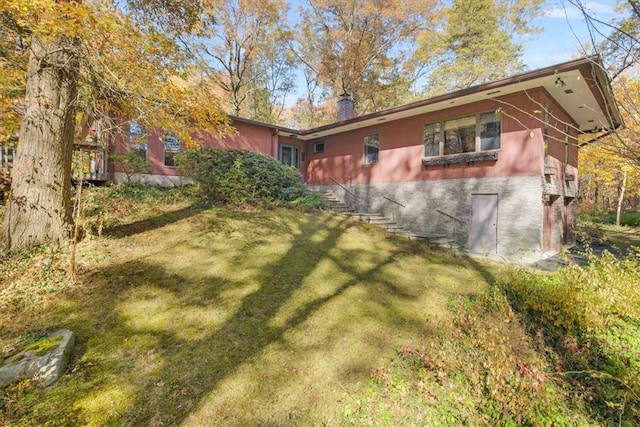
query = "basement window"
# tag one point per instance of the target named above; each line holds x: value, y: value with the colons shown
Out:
x: 371, y: 148
x: 318, y: 147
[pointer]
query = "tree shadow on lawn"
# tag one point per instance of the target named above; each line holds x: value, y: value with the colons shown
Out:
x: 158, y: 347
x: 152, y: 223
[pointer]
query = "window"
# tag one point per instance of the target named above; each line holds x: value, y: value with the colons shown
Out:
x: 463, y: 135
x: 318, y: 147
x: 431, y: 139
x: 371, y: 148
x: 171, y: 148
x: 460, y: 135
x: 489, y: 131
x: 138, y: 140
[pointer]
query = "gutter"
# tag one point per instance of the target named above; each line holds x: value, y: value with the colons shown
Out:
x: 599, y: 137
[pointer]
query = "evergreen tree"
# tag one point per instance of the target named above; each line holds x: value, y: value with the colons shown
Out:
x: 473, y: 46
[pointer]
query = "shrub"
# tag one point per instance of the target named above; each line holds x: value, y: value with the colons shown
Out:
x: 132, y: 164
x: 591, y: 317
x: 240, y: 177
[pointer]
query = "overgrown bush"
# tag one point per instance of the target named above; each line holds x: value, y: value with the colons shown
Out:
x: 590, y: 316
x: 240, y: 177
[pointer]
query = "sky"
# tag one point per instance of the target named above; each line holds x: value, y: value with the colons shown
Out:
x: 564, y: 31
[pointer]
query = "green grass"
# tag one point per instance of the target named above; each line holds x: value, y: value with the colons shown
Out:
x: 246, y: 317
x: 627, y: 219
x: 193, y: 316
x: 609, y: 234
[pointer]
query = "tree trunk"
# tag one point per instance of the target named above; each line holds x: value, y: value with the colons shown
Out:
x: 39, y: 208
x: 623, y: 188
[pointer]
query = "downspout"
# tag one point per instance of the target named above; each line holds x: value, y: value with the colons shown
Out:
x: 274, y: 142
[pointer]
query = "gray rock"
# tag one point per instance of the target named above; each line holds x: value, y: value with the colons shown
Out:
x: 47, y: 368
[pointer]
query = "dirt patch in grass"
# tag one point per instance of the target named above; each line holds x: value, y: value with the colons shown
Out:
x: 191, y: 316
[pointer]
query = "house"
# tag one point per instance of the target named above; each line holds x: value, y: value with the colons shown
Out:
x: 492, y: 168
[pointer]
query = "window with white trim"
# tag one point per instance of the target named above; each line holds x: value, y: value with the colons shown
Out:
x: 371, y: 148
x: 480, y: 132
x: 318, y: 147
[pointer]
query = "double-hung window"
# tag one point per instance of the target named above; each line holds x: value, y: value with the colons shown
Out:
x: 371, y: 148
x: 480, y: 132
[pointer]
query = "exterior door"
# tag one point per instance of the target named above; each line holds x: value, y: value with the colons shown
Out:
x: 484, y: 223
x: 289, y: 155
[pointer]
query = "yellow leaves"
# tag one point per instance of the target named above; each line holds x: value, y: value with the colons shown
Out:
x: 127, y: 69
x: 46, y: 18
x: 606, y: 162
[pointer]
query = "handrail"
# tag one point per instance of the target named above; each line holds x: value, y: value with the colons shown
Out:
x: 342, y: 186
x: 452, y: 217
x: 393, y: 201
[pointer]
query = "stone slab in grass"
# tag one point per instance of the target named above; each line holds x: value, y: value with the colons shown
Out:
x: 45, y: 360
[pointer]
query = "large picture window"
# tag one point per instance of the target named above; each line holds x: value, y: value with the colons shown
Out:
x: 460, y: 135
x: 171, y: 148
x: 480, y: 132
x: 371, y: 148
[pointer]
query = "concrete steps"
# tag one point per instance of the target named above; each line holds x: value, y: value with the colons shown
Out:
x: 335, y: 204
x: 378, y: 219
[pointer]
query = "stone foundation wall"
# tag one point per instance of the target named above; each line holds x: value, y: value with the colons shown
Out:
x: 151, y: 179
x: 442, y: 208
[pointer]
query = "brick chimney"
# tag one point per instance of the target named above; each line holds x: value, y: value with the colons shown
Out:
x: 345, y: 107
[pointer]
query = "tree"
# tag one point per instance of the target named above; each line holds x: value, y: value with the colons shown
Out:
x: 360, y: 46
x: 618, y: 41
x: 36, y: 212
x: 613, y: 167
x: 608, y: 180
x: 276, y: 78
x: 87, y: 61
x: 244, y: 47
x: 474, y: 44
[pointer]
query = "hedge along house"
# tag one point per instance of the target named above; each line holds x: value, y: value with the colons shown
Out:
x: 492, y: 168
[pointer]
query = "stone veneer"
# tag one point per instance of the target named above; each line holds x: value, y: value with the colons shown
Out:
x: 442, y: 208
